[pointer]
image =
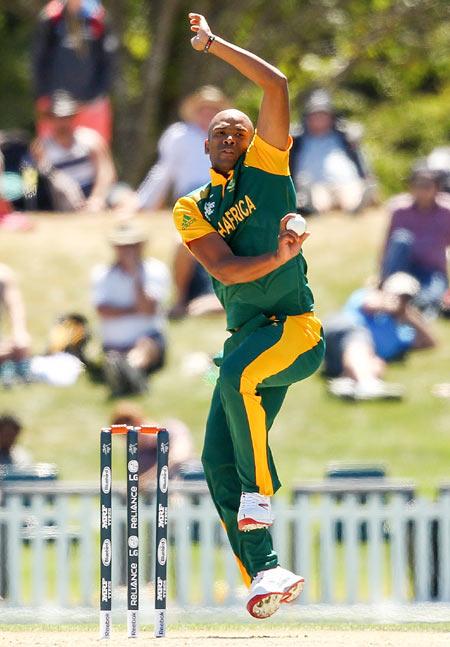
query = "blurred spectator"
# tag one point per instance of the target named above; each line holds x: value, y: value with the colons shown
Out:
x: 182, y: 463
x: 193, y: 287
x: 11, y: 186
x: 10, y: 452
x: 17, y: 345
x: 129, y: 296
x: 183, y: 166
x: 439, y: 161
x: 417, y: 238
x: 75, y: 161
x: 327, y: 166
x: 74, y: 50
x: 376, y: 326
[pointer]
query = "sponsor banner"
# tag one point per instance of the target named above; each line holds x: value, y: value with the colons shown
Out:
x: 106, y: 590
x: 162, y: 552
x: 164, y: 479
x: 106, y: 552
x: 162, y: 516
x: 161, y: 589
x: 133, y: 466
x: 106, y: 480
x: 106, y: 517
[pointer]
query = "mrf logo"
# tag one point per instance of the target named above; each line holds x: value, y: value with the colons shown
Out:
x: 106, y: 517
x: 164, y: 448
x: 106, y: 590
x: 161, y: 589
x: 162, y: 516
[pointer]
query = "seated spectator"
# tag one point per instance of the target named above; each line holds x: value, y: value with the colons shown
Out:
x: 327, y: 166
x: 183, y: 166
x: 11, y: 454
x: 129, y: 295
x: 182, y: 163
x: 376, y: 326
x: 417, y: 238
x: 182, y: 463
x: 74, y: 51
x: 75, y: 161
x: 193, y: 288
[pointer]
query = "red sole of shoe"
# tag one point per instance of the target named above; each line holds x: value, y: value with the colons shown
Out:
x: 264, y: 605
x: 294, y: 591
x: 250, y: 524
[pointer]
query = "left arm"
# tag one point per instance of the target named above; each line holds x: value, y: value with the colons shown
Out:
x: 273, y: 120
x: 424, y: 337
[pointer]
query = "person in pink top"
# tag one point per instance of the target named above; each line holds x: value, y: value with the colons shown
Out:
x: 418, y: 237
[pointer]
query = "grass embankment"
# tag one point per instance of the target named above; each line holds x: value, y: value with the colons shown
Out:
x: 53, y: 264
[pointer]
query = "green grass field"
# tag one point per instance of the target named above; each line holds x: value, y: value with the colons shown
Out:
x: 53, y: 263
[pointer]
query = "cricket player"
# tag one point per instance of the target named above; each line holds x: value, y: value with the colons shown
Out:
x: 236, y: 227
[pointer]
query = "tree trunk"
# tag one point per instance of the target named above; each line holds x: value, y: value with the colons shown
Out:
x: 137, y: 126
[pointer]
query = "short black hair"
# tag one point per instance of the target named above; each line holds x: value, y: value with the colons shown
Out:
x: 8, y: 420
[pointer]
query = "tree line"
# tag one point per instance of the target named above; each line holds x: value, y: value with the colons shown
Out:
x: 386, y: 63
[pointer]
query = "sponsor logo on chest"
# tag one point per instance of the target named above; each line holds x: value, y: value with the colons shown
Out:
x: 236, y: 214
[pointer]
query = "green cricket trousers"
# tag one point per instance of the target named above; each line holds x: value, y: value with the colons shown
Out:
x: 260, y: 361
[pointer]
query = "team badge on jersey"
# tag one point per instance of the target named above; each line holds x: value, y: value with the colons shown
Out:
x: 209, y: 209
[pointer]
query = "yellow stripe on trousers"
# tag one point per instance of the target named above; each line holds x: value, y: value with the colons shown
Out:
x: 300, y: 334
x: 246, y: 578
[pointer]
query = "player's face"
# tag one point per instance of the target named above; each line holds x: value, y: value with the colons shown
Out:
x: 230, y: 134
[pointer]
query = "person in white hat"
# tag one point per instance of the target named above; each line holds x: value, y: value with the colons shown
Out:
x: 327, y: 166
x: 129, y: 295
x: 182, y: 165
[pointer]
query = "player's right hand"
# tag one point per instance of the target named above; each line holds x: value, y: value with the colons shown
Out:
x: 200, y: 26
x: 289, y: 243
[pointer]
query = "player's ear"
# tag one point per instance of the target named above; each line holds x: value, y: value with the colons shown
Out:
x: 207, y: 146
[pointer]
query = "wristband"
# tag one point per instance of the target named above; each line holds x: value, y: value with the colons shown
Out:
x: 209, y: 42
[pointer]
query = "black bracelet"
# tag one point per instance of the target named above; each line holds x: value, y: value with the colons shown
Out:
x: 209, y: 42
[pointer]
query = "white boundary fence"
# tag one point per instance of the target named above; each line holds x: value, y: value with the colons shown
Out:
x: 354, y: 543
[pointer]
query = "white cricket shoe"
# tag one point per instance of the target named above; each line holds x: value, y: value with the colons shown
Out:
x: 270, y: 588
x: 254, y: 512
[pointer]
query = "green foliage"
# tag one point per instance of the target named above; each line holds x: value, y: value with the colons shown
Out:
x: 386, y: 62
x: 16, y: 109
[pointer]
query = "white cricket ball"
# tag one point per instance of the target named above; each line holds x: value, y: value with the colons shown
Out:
x: 297, y: 224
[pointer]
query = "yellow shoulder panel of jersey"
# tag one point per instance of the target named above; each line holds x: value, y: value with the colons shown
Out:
x: 267, y: 158
x: 189, y: 220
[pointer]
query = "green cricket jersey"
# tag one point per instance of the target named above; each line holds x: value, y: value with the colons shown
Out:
x: 245, y: 208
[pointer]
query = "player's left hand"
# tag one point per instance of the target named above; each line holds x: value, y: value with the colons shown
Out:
x: 200, y: 26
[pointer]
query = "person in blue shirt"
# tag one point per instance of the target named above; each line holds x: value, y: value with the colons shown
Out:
x: 376, y: 326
